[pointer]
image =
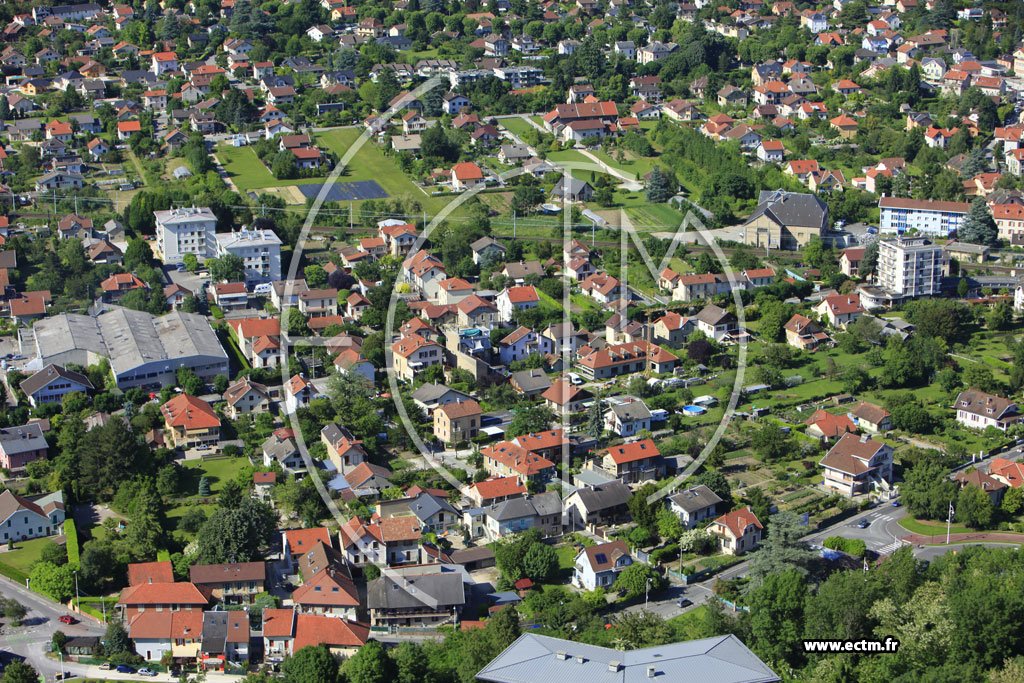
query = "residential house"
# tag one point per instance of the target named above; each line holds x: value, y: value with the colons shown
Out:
x: 840, y: 309
x: 52, y: 384
x: 246, y: 397
x: 189, y: 422
x: 694, y: 505
x: 232, y: 584
x: 456, y: 422
x: 872, y: 418
x: 627, y: 417
x: 598, y: 566
x: 631, y: 463
x: 738, y: 531
x: 343, y: 449
x: 857, y: 463
x: 598, y: 504
x: 804, y: 333
x: 280, y: 447
x: 827, y: 427
x: 979, y: 410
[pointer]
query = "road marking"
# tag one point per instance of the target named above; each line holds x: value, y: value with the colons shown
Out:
x: 891, y: 548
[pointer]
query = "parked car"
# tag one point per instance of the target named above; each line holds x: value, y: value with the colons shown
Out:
x: 67, y: 619
x: 144, y: 671
x: 124, y: 669
x: 683, y: 602
x: 895, y: 503
x: 105, y: 666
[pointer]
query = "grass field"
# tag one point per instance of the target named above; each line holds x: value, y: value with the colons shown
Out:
x: 248, y: 172
x: 369, y: 163
x: 217, y: 471
x: 571, y: 156
x: 26, y: 555
x: 516, y: 126
x: 931, y: 528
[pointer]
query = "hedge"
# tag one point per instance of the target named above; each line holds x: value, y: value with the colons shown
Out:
x: 851, y: 546
x: 71, y: 534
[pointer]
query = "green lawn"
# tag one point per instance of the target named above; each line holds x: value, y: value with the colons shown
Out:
x: 26, y: 555
x: 516, y: 126
x: 369, y: 163
x: 248, y: 172
x: 571, y: 156
x: 931, y: 528
x: 217, y: 471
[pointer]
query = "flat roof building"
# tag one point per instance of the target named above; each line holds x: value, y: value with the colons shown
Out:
x: 143, y: 349
x: 260, y: 251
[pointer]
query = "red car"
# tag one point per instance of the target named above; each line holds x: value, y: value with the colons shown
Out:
x: 67, y: 619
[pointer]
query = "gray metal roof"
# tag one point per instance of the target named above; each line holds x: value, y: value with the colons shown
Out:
x: 791, y: 208
x: 531, y: 380
x: 532, y: 657
x: 604, y: 496
x: 539, y: 505
x: 415, y: 591
x: 128, y: 338
x: 427, y: 505
x: 695, y: 498
x: 22, y: 439
x: 633, y: 410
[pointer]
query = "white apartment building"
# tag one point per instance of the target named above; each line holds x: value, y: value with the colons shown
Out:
x: 186, y: 230
x: 260, y: 250
x: 911, y: 266
x: 927, y: 217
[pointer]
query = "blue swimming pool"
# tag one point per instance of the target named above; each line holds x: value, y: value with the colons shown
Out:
x: 694, y: 410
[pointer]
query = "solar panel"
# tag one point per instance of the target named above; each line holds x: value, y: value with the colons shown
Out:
x: 601, y: 558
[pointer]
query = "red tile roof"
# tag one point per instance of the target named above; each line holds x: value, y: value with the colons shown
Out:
x: 737, y: 521
x: 189, y: 412
x: 150, y: 572
x: 498, y: 488
x: 630, y: 452
x: 302, y: 540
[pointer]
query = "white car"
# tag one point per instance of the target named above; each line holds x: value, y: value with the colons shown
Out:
x: 146, y: 672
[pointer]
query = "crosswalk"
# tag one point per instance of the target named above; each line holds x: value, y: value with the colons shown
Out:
x: 884, y: 518
x: 891, y: 548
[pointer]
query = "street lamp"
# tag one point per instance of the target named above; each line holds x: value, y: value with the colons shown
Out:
x: 647, y: 590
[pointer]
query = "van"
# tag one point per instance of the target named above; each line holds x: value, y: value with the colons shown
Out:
x: 575, y: 379
x: 263, y: 289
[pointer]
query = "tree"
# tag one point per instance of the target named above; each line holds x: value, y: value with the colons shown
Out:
x: 311, y: 664
x: 927, y: 490
x: 869, y: 261
x: 638, y: 578
x: 595, y: 420
x: 284, y: 166
x: 436, y: 143
x: 411, y: 665
x: 137, y: 254
x: 193, y: 519
x: 204, y: 486
x: 221, y: 383
x: 528, y: 194
x: 781, y: 550
x: 227, y: 268
x: 316, y: 277
x: 504, y: 627
x: 540, y: 564
x: 962, y: 288
x: 12, y: 609
x: 529, y: 421
x: 370, y: 664
x: 20, y: 672
x: 641, y: 629
x: 644, y: 514
x: 716, y: 481
x: 191, y: 262
x: 237, y: 535
x: 1000, y: 317
x: 1013, y: 500
x: 231, y: 495
x: 974, y: 507
x: 605, y: 196
x: 770, y: 443
x: 659, y: 187
x: 116, y: 640
x: 777, y: 616
x: 59, y: 640
x: 49, y: 579
x: 979, y: 227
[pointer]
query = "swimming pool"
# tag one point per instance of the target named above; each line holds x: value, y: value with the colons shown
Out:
x: 694, y: 410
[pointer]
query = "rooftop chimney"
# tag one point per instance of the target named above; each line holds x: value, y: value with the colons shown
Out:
x: 562, y: 654
x: 651, y: 672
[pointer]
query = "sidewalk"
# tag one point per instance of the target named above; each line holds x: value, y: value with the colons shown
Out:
x: 972, y: 537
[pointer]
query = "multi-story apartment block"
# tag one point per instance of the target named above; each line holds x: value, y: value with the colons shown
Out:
x: 260, y: 251
x: 911, y: 266
x: 929, y: 217
x: 185, y: 230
